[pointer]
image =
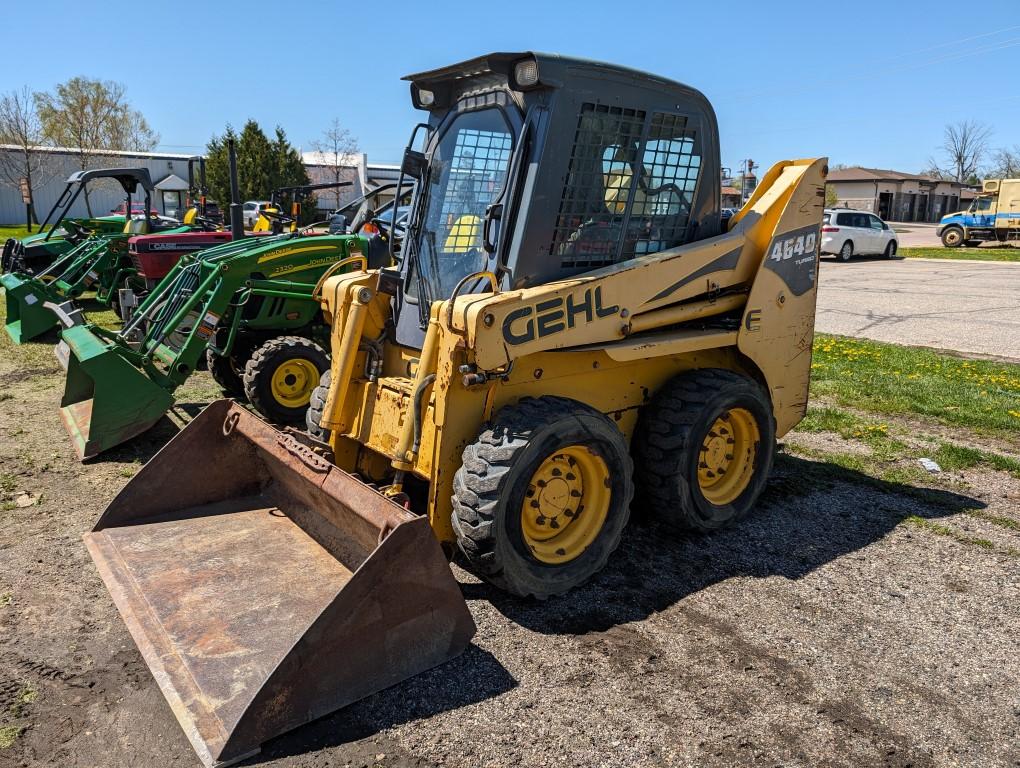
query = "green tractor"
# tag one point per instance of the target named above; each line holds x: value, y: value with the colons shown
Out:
x: 248, y: 309
x: 59, y: 232
x: 98, y: 261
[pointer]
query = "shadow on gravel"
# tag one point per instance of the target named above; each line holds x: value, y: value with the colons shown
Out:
x: 472, y: 677
x: 146, y: 445
x: 811, y: 514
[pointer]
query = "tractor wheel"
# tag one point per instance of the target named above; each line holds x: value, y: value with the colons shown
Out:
x: 890, y: 250
x: 227, y: 373
x: 952, y: 237
x: 542, y: 496
x: 280, y: 376
x: 704, y: 448
x: 847, y: 251
x: 316, y: 407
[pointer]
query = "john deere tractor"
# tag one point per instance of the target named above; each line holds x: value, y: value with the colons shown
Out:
x: 248, y: 309
x: 570, y: 322
x: 98, y: 261
x: 59, y: 232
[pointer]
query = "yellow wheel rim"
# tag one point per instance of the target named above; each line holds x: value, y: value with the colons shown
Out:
x: 293, y: 381
x: 566, y: 504
x: 727, y: 458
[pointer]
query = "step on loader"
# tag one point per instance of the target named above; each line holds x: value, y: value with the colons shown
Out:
x: 99, y: 262
x: 569, y: 321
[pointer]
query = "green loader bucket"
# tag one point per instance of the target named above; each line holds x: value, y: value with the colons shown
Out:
x: 107, y: 400
x: 27, y: 317
x: 266, y: 587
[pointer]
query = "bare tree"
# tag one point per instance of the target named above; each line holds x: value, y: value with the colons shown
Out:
x: 1005, y: 163
x: 25, y: 162
x: 90, y: 116
x: 335, y: 149
x: 964, y: 146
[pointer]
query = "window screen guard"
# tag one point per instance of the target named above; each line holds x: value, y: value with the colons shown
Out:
x: 629, y: 188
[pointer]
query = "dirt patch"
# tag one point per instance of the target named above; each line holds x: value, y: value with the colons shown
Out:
x: 824, y: 630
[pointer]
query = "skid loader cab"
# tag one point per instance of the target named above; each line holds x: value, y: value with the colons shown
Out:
x: 581, y: 165
x: 568, y: 322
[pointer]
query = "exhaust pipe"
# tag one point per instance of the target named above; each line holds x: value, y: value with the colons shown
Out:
x: 236, y: 221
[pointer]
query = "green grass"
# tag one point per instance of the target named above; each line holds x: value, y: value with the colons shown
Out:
x: 16, y: 232
x: 942, y: 530
x: 888, y: 379
x: 970, y: 254
x: 8, y: 735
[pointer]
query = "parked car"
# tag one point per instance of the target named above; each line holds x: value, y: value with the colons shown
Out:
x: 137, y: 209
x: 847, y: 233
x: 251, y: 211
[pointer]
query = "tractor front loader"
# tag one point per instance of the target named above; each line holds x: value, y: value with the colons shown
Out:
x: 99, y: 262
x: 59, y: 231
x: 570, y: 321
x: 246, y: 307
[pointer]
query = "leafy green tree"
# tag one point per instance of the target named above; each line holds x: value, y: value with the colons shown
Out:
x: 92, y: 115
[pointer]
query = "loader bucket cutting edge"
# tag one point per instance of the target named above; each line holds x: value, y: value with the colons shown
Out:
x: 107, y: 400
x: 27, y: 318
x: 266, y: 587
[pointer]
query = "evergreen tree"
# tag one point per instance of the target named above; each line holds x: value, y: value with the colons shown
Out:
x: 262, y: 166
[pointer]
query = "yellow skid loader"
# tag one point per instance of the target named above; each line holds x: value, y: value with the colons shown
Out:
x: 570, y: 321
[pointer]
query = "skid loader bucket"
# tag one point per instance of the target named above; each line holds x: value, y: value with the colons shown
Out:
x: 266, y: 587
x: 107, y: 400
x: 27, y: 317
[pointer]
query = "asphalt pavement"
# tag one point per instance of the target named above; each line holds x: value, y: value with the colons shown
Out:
x: 965, y: 306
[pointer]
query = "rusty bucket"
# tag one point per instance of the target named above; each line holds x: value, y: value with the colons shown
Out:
x: 265, y: 587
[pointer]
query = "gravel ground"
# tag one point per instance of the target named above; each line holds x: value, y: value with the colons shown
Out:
x: 827, y: 629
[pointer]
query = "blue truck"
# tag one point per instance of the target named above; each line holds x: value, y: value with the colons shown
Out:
x: 994, y: 216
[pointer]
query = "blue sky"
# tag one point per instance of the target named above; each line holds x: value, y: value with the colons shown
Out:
x: 869, y: 83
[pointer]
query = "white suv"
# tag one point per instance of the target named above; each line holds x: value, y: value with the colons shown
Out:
x: 847, y: 233
x: 251, y: 210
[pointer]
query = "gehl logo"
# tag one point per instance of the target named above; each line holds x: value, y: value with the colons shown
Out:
x: 554, y: 315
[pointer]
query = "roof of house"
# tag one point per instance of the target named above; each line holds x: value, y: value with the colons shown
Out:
x: 859, y: 173
x: 172, y: 183
x: 730, y: 191
x: 100, y: 152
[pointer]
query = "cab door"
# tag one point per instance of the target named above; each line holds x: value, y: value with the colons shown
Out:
x: 984, y: 212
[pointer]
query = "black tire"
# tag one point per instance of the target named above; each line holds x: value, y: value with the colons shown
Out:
x: 265, y: 363
x: 227, y: 372
x: 890, y: 250
x: 846, y: 252
x: 316, y: 407
x: 490, y: 488
x: 952, y: 237
x: 668, y: 444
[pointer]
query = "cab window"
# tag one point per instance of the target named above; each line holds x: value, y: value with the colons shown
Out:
x: 983, y: 204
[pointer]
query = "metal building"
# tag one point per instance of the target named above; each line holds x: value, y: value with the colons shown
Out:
x: 105, y: 195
